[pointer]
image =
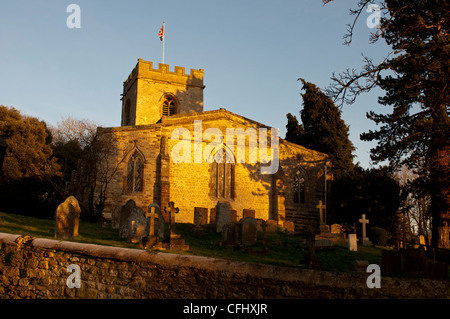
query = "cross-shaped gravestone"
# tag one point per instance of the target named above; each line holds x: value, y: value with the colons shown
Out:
x: 172, y: 210
x: 321, y: 207
x: 152, y: 208
x: 363, y: 221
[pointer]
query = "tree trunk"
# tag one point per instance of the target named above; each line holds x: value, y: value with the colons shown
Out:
x: 440, y: 197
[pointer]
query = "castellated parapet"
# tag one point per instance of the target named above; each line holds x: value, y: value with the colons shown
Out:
x: 144, y: 69
x: 147, y: 90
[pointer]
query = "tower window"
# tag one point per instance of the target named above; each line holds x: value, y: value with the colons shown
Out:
x: 169, y: 106
x: 135, y: 173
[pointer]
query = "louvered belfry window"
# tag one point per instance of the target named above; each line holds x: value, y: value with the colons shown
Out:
x: 168, y: 106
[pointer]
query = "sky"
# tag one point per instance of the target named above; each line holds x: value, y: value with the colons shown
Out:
x: 252, y: 53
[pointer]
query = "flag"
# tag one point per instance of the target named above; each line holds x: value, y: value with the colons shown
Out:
x: 161, y: 33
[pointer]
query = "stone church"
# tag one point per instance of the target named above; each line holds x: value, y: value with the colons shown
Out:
x: 151, y: 163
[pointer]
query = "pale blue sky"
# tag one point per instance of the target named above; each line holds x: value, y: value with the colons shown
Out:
x: 252, y: 52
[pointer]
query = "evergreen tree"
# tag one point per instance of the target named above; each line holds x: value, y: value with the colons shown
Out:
x: 419, y: 72
x: 322, y: 129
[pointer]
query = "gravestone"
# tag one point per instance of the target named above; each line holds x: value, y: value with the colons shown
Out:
x: 223, y: 215
x: 200, y: 216
x: 289, y: 225
x: 115, y: 217
x: 124, y: 220
x: 311, y: 259
x: 160, y: 225
x: 230, y: 235
x: 138, y: 226
x: 321, y: 208
x: 233, y: 214
x: 422, y: 242
x: 152, y: 217
x: 175, y: 241
x: 212, y: 215
x: 67, y: 219
x: 336, y: 229
x: 248, y: 213
x: 364, y: 240
x: 249, y: 231
x: 271, y: 226
x: 352, y: 242
x: 323, y: 244
x: 391, y: 262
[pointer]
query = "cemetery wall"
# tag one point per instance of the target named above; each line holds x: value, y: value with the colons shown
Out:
x: 37, y: 268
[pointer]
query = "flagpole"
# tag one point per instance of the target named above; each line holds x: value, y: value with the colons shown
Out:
x: 163, y: 38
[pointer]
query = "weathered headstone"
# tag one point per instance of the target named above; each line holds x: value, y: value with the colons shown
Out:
x: 336, y: 229
x: 422, y: 242
x: 152, y: 217
x: 230, y: 234
x: 233, y: 214
x: 124, y: 219
x: 289, y: 225
x: 391, y: 262
x: 138, y: 226
x: 364, y: 240
x: 160, y: 224
x: 175, y: 241
x: 212, y: 215
x: 271, y: 226
x: 324, y: 244
x: 172, y: 211
x: 249, y: 231
x: 67, y: 219
x: 321, y: 208
x: 311, y: 259
x: 248, y: 213
x: 115, y: 217
x: 223, y: 215
x: 200, y: 216
x: 352, y: 242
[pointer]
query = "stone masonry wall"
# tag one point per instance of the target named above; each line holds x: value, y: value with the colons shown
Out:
x: 37, y: 268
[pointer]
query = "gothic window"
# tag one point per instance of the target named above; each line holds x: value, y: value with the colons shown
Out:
x: 299, y: 188
x: 222, y: 180
x: 169, y: 106
x: 135, y: 173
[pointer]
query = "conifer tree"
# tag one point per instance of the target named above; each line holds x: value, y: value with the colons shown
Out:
x: 415, y: 77
x: 322, y: 129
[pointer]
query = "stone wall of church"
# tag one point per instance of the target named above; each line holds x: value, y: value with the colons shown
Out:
x: 190, y: 182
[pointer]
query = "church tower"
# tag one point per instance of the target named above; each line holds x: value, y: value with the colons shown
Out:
x: 149, y: 94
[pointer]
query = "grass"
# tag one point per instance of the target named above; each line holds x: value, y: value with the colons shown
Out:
x: 282, y: 249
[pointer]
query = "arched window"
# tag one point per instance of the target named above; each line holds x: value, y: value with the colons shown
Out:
x: 169, y: 106
x: 135, y: 173
x: 222, y: 172
x: 299, y: 188
x: 222, y: 180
